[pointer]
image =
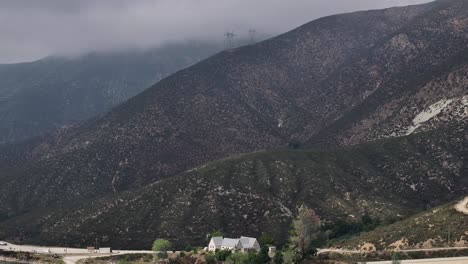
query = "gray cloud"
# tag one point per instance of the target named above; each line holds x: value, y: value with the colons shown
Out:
x: 33, y: 29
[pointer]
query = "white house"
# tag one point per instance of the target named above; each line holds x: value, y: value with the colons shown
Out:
x: 242, y: 244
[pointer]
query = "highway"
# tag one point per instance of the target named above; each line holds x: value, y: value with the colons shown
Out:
x: 70, y: 255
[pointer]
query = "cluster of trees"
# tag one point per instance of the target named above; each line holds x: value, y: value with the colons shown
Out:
x: 306, y: 235
x: 342, y: 228
x: 238, y: 257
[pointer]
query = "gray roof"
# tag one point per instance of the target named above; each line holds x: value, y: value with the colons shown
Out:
x: 217, y: 241
x: 230, y: 242
x: 247, y: 242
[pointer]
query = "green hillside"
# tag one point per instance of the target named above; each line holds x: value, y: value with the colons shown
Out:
x: 260, y: 192
x: 428, y: 229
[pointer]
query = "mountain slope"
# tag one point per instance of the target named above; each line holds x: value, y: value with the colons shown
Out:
x: 308, y: 85
x: 42, y: 96
x: 260, y: 192
x: 428, y: 229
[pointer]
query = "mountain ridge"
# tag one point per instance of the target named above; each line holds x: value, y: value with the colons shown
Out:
x: 280, y: 92
x: 260, y: 192
x: 42, y: 96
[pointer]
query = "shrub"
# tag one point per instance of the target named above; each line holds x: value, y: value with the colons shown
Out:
x: 262, y: 256
x: 278, y: 258
x: 210, y: 259
x: 162, y: 255
x: 236, y: 258
x: 222, y: 255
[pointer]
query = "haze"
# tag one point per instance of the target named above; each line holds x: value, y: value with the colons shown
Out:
x: 33, y: 29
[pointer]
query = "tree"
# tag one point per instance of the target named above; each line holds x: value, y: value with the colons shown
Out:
x: 162, y: 245
x: 305, y: 229
x: 262, y: 256
x: 238, y: 258
x: 222, y: 255
x: 210, y: 259
x: 278, y: 258
x: 216, y: 233
x: 266, y: 240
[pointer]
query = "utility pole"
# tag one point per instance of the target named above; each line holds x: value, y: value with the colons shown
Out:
x: 229, y: 39
x: 96, y: 247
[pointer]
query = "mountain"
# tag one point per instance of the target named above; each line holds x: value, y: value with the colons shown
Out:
x: 42, y: 96
x: 335, y: 82
x: 428, y: 229
x: 260, y: 192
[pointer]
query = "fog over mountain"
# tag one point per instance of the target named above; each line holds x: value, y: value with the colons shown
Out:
x: 33, y: 29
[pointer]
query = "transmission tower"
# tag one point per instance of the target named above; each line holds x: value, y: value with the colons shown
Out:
x: 229, y: 39
x: 252, y: 33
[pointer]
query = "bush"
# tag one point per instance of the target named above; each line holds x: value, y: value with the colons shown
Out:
x: 236, y: 258
x: 188, y: 248
x: 210, y: 259
x: 162, y: 255
x: 278, y: 258
x: 222, y: 255
x: 262, y: 256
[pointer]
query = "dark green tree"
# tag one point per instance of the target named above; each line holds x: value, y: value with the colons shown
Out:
x: 278, y: 258
x: 216, y: 233
x: 210, y: 258
x: 266, y: 240
x: 222, y: 255
x: 252, y: 258
x: 263, y: 255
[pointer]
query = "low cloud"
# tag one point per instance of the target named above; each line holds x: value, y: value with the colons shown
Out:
x: 34, y: 29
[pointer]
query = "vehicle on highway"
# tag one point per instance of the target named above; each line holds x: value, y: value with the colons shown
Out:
x: 3, y: 243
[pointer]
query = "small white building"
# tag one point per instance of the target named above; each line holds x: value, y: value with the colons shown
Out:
x: 105, y: 250
x: 271, y: 249
x: 243, y: 244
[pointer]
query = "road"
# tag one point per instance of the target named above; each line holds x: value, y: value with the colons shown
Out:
x: 70, y: 255
x: 346, y: 251
x: 458, y: 260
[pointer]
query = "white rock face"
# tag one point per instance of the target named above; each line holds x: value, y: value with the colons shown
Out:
x: 427, y: 114
x: 462, y: 206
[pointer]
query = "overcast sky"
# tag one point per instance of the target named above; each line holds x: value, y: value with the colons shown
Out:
x: 30, y: 29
